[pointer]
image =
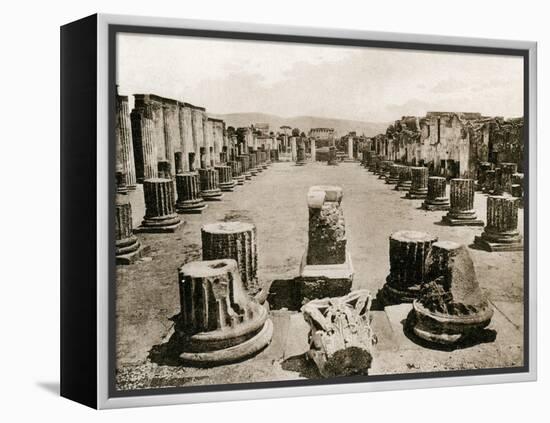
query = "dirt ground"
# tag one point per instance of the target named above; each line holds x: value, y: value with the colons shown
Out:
x: 275, y: 200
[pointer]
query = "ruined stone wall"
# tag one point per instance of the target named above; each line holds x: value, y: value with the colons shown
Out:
x: 506, y: 142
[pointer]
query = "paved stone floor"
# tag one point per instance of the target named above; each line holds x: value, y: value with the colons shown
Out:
x: 275, y: 200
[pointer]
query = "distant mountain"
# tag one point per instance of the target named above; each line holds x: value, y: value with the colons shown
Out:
x: 304, y: 123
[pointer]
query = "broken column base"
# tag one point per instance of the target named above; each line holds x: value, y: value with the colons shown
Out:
x: 417, y: 195
x: 499, y: 242
x: 239, y: 180
x: 301, y: 163
x: 229, y: 345
x: 448, y: 329
x: 433, y: 205
x: 325, y: 280
x: 212, y: 195
x: 462, y: 219
x: 165, y: 224
x: 248, y: 176
x: 227, y: 186
x: 191, y: 206
x: 403, y: 186
x: 129, y: 250
x: 390, y: 295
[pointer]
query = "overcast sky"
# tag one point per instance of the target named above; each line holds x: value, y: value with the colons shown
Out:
x: 286, y: 79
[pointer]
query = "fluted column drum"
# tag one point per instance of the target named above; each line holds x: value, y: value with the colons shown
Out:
x: 189, y: 195
x: 437, y: 194
x: 419, y: 183
x: 408, y: 252
x: 461, y: 212
x: 404, y: 182
x: 210, y: 184
x: 125, y: 147
x: 226, y: 178
x: 501, y: 231
x: 393, y: 177
x: 252, y: 163
x: 374, y: 164
x: 482, y: 169
x: 236, y: 172
x: 301, y: 154
x: 235, y: 240
x: 508, y: 170
x: 127, y: 246
x: 160, y: 213
x: 219, y: 322
x: 245, y: 162
x: 489, y: 182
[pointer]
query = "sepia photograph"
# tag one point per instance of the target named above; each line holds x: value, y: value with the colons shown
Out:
x: 307, y: 212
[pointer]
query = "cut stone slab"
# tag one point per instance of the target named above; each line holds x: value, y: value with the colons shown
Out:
x: 385, y: 338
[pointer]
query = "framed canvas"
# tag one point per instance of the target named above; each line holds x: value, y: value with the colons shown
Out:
x: 253, y: 211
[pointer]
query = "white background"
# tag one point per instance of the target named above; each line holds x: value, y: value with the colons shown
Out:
x: 29, y: 208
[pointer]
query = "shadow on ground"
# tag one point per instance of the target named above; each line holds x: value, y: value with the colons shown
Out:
x: 301, y: 365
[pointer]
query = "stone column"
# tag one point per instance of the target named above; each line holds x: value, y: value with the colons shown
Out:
x: 313, y: 151
x: 482, y: 169
x: 125, y: 146
x: 189, y: 196
x: 301, y: 154
x: 437, y: 194
x: 127, y: 246
x: 517, y: 187
x: 160, y: 214
x: 145, y: 151
x: 404, y: 182
x: 451, y: 307
x: 236, y: 172
x: 226, y: 178
x: 501, y: 232
x: 326, y: 269
x: 408, y: 252
x: 293, y: 149
x: 218, y: 322
x: 385, y: 169
x: 489, y: 183
x: 210, y: 184
x: 375, y: 162
x: 419, y: 183
x: 461, y: 212
x: 508, y: 170
x: 350, y: 148
x: 178, y: 160
x: 393, y: 176
x: 245, y: 164
x: 497, y: 184
x: 237, y: 241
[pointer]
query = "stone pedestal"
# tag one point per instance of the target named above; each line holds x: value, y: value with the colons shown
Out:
x: 160, y: 214
x: 408, y: 252
x: 225, y: 176
x: 237, y: 241
x: 451, y: 307
x: 419, y: 183
x: 245, y: 164
x: 489, y: 182
x: 340, y: 337
x: 326, y: 269
x: 482, y: 170
x: 236, y: 172
x: 219, y: 323
x: 210, y: 184
x: 127, y: 247
x: 461, y: 212
x: 404, y: 182
x: 189, y: 195
x: 393, y: 176
x: 437, y: 194
x: 501, y: 232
